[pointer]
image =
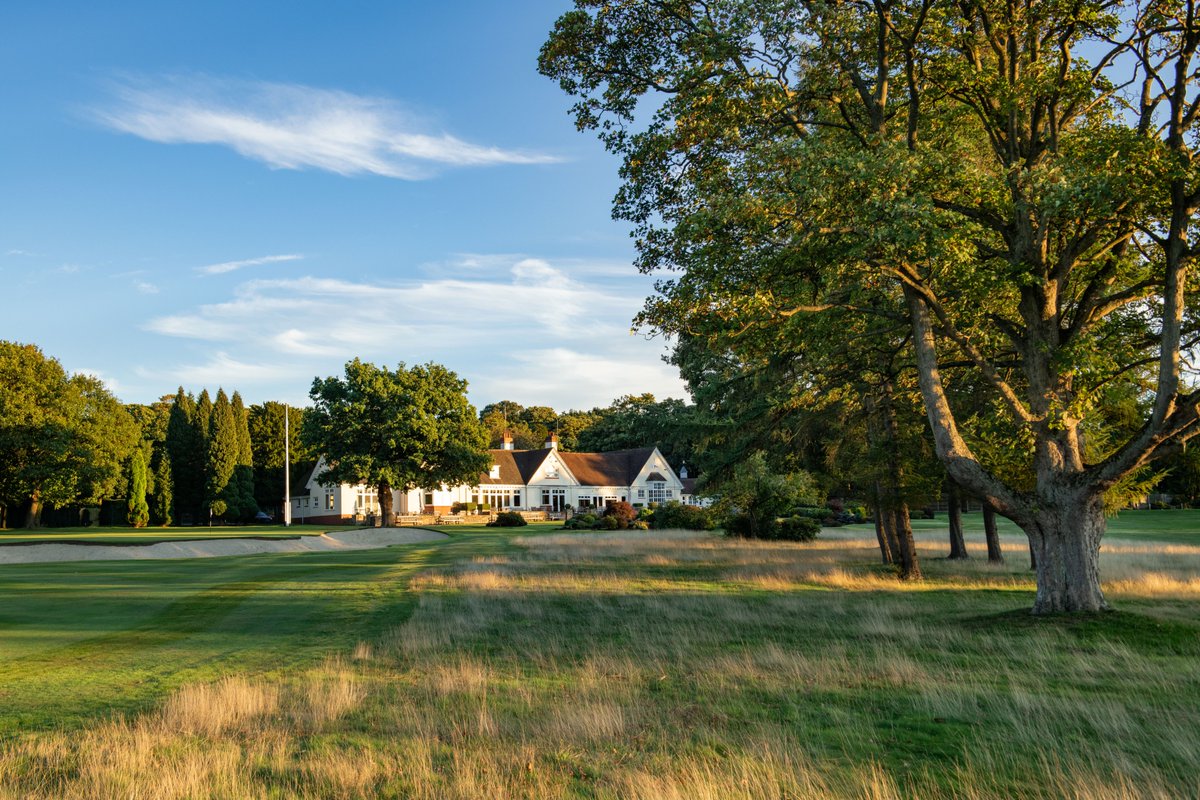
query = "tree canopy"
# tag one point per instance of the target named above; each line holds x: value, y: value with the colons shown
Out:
x: 63, y: 438
x: 407, y: 428
x: 1015, y: 183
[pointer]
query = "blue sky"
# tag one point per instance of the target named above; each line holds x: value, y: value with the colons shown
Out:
x: 248, y: 195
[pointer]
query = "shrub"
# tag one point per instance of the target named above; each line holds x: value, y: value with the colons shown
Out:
x: 581, y: 522
x: 748, y: 527
x: 620, y: 511
x: 677, y: 515
x: 610, y: 522
x: 797, y: 529
x: 507, y: 519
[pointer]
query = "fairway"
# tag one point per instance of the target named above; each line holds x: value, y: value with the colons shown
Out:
x: 125, y: 535
x: 631, y: 664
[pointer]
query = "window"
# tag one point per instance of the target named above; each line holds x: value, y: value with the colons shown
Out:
x: 516, y: 501
x: 670, y: 492
x: 657, y: 491
x: 366, y: 500
x: 329, y: 500
x: 429, y: 498
x: 641, y: 494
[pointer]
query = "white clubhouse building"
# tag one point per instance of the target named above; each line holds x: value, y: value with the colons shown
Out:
x: 524, y: 480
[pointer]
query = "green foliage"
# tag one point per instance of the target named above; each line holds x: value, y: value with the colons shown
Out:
x: 674, y: 514
x: 755, y: 497
x: 641, y: 421
x: 586, y: 521
x: 508, y: 519
x: 188, y: 456
x: 137, y: 511
x: 797, y: 529
x: 266, y: 427
x: 408, y: 428
x: 63, y: 439
x: 162, y: 501
x: 221, y: 495
x: 241, y: 484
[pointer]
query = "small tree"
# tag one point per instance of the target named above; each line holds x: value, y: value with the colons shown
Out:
x: 162, y: 501
x: 755, y: 497
x: 404, y: 429
x: 138, y: 511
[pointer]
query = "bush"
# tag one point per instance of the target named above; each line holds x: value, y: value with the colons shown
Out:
x: 610, y: 522
x: 621, y: 512
x: 746, y: 527
x: 507, y: 519
x: 580, y: 522
x: 677, y: 515
x: 797, y: 529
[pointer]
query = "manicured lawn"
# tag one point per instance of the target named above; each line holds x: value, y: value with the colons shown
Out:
x: 533, y: 663
x: 123, y: 535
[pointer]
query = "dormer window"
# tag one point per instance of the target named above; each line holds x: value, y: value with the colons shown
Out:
x: 495, y: 473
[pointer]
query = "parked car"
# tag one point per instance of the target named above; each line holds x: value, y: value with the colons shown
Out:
x: 263, y: 518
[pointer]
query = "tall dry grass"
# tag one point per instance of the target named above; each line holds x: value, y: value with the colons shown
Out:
x: 681, y: 665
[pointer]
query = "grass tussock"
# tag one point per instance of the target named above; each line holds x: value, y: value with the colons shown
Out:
x: 678, y: 665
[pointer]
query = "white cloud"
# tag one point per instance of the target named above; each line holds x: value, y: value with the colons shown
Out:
x: 230, y: 266
x: 225, y: 370
x: 290, y: 126
x: 145, y: 287
x: 523, y: 328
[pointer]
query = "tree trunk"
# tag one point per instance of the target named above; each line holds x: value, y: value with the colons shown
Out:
x: 884, y: 550
x: 995, y: 554
x: 34, y: 518
x: 1032, y: 556
x: 958, y: 546
x: 1065, y: 542
x: 910, y: 570
x: 384, y: 492
x: 882, y: 533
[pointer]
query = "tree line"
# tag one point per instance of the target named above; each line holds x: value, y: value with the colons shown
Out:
x: 971, y: 220
x: 66, y: 443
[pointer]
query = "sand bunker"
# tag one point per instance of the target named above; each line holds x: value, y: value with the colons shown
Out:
x: 215, y: 548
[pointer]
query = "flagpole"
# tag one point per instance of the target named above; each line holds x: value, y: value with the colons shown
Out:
x: 287, y: 472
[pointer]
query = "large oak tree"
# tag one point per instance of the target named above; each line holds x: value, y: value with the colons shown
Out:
x: 1018, y: 179
x: 404, y: 429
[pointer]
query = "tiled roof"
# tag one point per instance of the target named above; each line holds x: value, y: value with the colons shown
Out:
x: 689, y: 485
x: 517, y: 467
x: 618, y: 468
x: 656, y: 476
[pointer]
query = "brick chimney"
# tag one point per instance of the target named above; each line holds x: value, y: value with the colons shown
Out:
x: 506, y: 441
x: 552, y: 441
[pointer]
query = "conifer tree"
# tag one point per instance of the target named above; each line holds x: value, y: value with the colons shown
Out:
x: 202, y: 424
x: 222, y: 459
x: 138, y: 511
x: 186, y: 456
x: 243, y: 474
x: 162, y: 503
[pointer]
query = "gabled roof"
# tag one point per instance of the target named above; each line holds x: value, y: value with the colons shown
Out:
x: 517, y: 467
x: 689, y: 485
x: 616, y: 468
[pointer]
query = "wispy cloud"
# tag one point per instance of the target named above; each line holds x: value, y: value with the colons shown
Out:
x: 230, y: 266
x: 523, y: 328
x: 145, y: 287
x: 290, y: 126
